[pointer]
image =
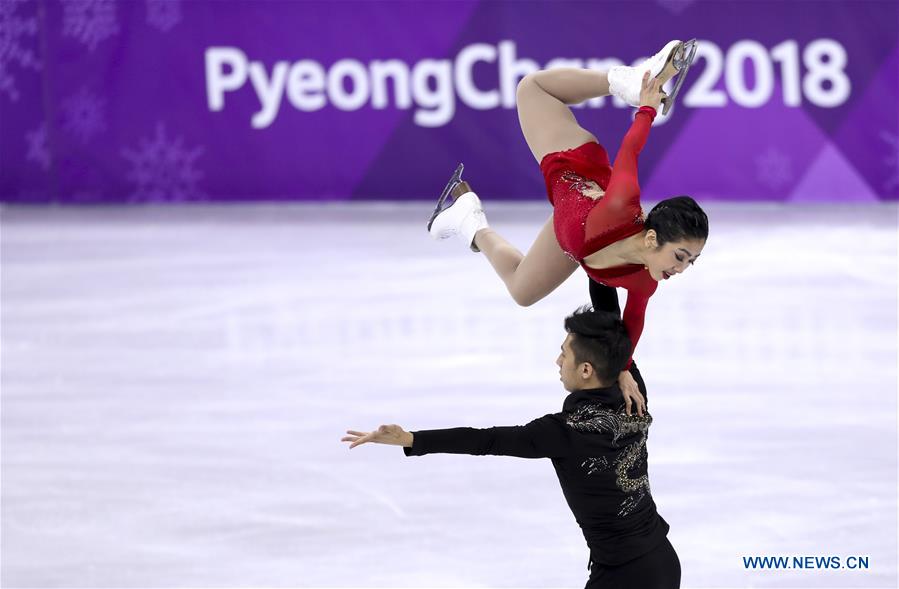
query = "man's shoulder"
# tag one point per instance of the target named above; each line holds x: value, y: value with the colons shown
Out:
x: 598, y: 417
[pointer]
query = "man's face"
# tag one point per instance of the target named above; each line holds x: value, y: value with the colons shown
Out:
x: 570, y: 372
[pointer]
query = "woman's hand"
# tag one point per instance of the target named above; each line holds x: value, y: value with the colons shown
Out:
x: 386, y: 434
x: 651, y: 93
x: 633, y: 398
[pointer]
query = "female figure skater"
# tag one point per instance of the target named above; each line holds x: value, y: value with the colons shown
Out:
x: 597, y: 220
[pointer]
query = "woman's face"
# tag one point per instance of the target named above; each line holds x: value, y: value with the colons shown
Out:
x: 672, y: 258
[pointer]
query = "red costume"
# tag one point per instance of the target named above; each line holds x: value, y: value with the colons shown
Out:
x: 585, y: 225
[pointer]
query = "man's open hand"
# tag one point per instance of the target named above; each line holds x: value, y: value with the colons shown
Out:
x: 386, y: 434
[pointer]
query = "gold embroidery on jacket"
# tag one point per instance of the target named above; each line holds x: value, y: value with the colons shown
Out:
x: 595, y: 418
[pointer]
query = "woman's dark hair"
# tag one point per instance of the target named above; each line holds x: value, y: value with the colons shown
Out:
x: 676, y: 219
x: 601, y: 340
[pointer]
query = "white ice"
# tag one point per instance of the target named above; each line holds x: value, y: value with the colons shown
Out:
x: 175, y: 383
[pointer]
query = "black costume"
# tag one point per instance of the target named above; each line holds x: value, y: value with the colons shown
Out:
x: 599, y: 454
x: 660, y: 567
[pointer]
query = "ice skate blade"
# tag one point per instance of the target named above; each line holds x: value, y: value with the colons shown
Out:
x: 683, y: 58
x: 453, y: 181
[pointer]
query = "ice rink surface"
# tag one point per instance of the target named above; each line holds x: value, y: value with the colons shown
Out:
x: 175, y: 383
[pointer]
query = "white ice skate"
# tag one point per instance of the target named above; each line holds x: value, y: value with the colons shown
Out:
x: 463, y: 217
x: 674, y: 59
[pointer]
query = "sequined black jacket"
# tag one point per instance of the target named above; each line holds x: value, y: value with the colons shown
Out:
x: 599, y: 454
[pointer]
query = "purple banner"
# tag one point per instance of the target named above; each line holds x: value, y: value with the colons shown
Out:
x: 105, y: 101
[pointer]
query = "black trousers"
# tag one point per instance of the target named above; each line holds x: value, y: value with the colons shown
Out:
x: 605, y: 298
x: 657, y: 569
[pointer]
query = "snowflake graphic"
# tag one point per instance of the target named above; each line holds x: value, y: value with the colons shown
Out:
x: 163, y: 14
x: 90, y: 21
x: 675, y: 6
x: 38, y: 151
x: 773, y: 169
x: 14, y: 32
x: 83, y: 115
x: 163, y: 169
x: 892, y: 159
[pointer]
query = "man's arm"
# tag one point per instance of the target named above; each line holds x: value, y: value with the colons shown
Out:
x: 604, y: 298
x: 546, y: 437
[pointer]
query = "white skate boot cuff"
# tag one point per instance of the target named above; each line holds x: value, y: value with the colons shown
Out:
x: 624, y: 83
x: 627, y: 82
x: 470, y: 226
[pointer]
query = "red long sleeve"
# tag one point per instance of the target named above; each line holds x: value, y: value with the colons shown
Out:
x: 617, y: 216
x: 634, y: 317
x: 620, y: 205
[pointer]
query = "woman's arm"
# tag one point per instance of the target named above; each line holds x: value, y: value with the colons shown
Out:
x: 621, y: 204
x: 634, y: 317
x: 624, y: 170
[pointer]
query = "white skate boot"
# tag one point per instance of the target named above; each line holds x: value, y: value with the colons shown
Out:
x: 674, y: 59
x: 463, y: 217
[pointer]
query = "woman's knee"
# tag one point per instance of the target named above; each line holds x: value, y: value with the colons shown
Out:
x: 524, y: 83
x: 523, y: 297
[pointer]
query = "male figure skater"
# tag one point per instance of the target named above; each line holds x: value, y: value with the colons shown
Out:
x: 597, y: 450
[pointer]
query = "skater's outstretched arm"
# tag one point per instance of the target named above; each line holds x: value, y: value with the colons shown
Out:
x: 545, y: 437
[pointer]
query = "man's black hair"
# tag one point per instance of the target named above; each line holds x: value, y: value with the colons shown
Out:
x: 600, y: 339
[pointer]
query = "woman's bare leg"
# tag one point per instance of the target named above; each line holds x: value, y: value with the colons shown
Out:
x: 548, y: 125
x: 529, y: 277
x: 546, y: 121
